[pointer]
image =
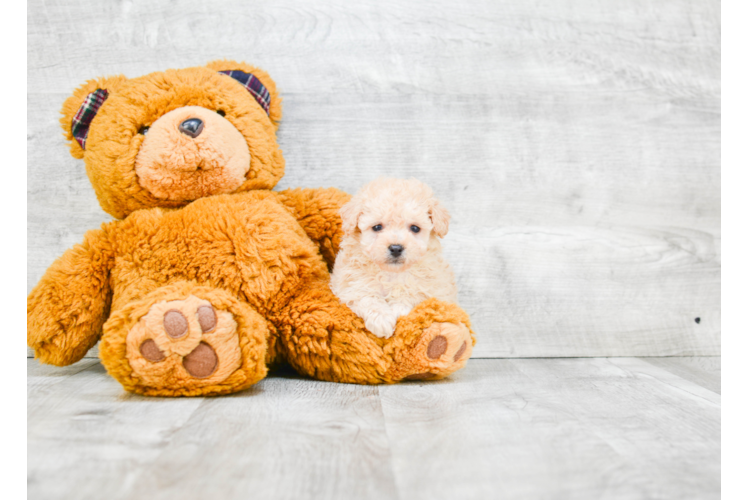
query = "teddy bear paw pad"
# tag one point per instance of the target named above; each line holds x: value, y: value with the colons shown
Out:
x: 442, y: 349
x: 184, y: 342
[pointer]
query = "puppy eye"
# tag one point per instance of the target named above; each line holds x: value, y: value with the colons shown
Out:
x: 415, y: 228
x: 143, y: 130
x: 221, y: 112
x: 377, y: 228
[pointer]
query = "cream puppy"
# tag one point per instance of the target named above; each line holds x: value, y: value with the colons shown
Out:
x: 390, y: 258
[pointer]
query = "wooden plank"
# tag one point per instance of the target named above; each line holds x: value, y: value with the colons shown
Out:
x: 434, y: 47
x: 288, y: 438
x: 40, y: 377
x: 705, y: 371
x: 86, y: 437
x: 583, y: 291
x: 555, y: 428
x: 632, y: 367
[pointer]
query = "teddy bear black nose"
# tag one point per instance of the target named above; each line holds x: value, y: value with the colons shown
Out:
x: 191, y: 127
x: 396, y: 250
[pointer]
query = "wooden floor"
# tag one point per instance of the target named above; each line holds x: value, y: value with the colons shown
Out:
x: 502, y: 428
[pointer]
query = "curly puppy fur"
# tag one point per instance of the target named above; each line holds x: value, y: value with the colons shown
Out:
x: 390, y: 258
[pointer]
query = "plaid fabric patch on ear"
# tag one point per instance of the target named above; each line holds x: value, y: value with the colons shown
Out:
x: 253, y: 85
x: 86, y: 113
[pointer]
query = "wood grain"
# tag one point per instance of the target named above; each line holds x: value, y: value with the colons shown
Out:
x: 289, y: 438
x: 574, y: 428
x: 515, y: 428
x: 576, y: 146
x: 40, y: 378
x: 86, y: 437
x: 701, y: 370
x: 583, y: 291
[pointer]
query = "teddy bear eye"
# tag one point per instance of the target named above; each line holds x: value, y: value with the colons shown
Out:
x: 221, y: 112
x: 143, y: 130
x: 415, y: 228
x: 377, y: 228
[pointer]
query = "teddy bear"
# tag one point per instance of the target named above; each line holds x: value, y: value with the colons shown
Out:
x: 207, y: 278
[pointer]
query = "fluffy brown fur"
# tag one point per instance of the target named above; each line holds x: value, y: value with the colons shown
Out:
x: 199, y: 292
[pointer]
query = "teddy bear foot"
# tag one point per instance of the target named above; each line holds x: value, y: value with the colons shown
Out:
x: 432, y: 342
x: 182, y: 340
x: 194, y: 344
x: 443, y: 349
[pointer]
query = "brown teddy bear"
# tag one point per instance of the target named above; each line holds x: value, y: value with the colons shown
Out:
x: 208, y: 277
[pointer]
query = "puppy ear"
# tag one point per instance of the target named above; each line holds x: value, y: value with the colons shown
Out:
x: 349, y: 213
x: 439, y: 218
x: 81, y: 108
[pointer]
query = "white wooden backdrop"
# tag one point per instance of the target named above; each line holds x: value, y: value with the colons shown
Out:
x: 577, y: 144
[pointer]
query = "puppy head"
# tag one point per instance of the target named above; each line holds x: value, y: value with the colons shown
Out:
x: 393, y: 220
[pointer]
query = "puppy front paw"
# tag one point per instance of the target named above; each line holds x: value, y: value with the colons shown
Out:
x: 380, y: 325
x: 400, y: 309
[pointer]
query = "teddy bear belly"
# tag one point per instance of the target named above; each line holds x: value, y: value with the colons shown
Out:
x: 246, y: 244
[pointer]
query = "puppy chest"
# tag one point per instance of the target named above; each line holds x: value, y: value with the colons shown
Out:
x: 401, y: 288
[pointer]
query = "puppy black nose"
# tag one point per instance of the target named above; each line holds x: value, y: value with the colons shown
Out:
x: 396, y: 250
x: 191, y: 127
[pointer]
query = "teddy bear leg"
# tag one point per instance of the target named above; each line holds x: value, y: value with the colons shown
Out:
x: 431, y: 342
x: 326, y: 340
x: 185, y: 340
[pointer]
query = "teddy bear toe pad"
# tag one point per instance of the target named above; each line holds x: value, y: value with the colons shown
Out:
x: 185, y: 342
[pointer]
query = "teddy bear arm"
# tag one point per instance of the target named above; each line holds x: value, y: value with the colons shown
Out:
x: 66, y: 310
x: 317, y: 211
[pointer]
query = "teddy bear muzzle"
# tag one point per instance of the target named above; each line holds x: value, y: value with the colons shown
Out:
x: 192, y: 152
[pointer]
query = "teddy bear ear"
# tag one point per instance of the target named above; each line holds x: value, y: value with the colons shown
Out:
x: 81, y: 108
x: 257, y: 82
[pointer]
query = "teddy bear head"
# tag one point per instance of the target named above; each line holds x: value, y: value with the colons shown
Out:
x: 171, y: 137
